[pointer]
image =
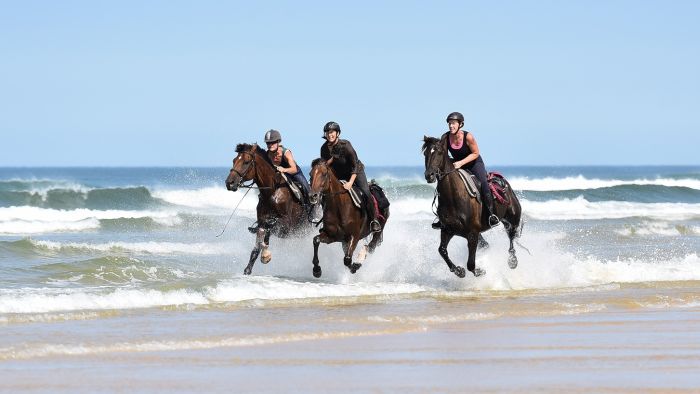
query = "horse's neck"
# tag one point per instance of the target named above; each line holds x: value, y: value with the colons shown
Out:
x: 335, y: 190
x: 264, y: 176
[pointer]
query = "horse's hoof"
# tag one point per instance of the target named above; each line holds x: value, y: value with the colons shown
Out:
x: 459, y: 271
x: 265, y: 256
x: 512, y: 262
x: 317, y: 271
x: 478, y: 272
x: 354, y: 267
x: 247, y: 270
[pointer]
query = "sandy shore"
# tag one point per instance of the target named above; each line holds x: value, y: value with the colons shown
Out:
x: 401, y: 346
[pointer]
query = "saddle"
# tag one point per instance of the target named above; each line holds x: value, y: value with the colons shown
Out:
x: 499, y: 188
x: 296, y: 190
x: 379, y: 200
x: 471, y: 182
x: 497, y: 184
x: 355, y: 195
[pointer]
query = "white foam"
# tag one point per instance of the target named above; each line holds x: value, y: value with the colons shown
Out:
x: 46, y: 350
x: 197, y: 248
x: 580, y: 182
x: 54, y: 300
x: 270, y: 288
x: 33, y: 220
x: 658, y: 228
x: 216, y: 199
x: 580, y: 208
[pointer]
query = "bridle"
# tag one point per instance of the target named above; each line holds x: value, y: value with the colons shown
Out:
x: 327, y: 179
x: 251, y: 164
x: 439, y: 173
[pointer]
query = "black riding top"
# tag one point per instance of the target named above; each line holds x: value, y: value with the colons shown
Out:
x: 345, y: 161
x: 462, y: 152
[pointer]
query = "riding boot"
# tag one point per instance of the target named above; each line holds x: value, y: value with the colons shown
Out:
x: 374, y: 225
x: 491, y: 219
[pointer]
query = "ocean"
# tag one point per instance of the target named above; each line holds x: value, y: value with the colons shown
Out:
x: 119, y: 272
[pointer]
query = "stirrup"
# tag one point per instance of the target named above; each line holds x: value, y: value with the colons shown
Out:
x: 493, y: 220
x: 375, y: 226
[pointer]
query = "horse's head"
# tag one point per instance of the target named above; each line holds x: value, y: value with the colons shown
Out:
x: 243, y: 166
x: 320, y: 180
x: 434, y: 152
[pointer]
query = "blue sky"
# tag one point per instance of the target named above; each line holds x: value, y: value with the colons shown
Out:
x: 179, y: 83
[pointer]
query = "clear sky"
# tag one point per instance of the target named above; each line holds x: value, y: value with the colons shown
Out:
x: 180, y: 83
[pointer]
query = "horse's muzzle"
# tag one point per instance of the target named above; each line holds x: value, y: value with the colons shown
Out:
x: 430, y: 177
x: 231, y: 186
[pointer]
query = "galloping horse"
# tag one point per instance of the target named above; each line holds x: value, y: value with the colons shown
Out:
x: 342, y: 221
x: 278, y: 212
x: 460, y: 213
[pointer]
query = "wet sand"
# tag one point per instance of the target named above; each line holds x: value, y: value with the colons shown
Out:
x: 600, y: 341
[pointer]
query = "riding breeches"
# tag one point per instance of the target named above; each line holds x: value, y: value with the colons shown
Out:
x: 301, y: 179
x: 479, y: 170
x: 361, y: 182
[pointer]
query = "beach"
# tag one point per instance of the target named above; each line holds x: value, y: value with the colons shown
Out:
x: 114, y: 280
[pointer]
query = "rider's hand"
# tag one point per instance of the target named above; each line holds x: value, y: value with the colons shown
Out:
x: 279, y: 168
x: 458, y: 164
x: 347, y: 185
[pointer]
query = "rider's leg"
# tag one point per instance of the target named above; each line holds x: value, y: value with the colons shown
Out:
x: 479, y: 171
x: 361, y: 182
x: 300, y: 179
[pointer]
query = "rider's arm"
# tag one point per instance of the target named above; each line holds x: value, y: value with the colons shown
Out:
x: 473, y: 147
x: 292, y: 164
x: 326, y: 154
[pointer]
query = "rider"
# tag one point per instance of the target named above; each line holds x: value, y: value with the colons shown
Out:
x: 465, y: 154
x: 342, y: 158
x: 284, y: 162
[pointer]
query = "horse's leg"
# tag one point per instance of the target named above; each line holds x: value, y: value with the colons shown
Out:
x: 256, y: 250
x: 266, y: 255
x: 472, y: 241
x: 445, y: 238
x: 482, y: 242
x: 349, y: 249
x: 512, y: 232
x: 317, y: 241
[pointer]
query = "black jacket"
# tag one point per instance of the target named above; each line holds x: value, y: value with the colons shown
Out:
x: 345, y: 161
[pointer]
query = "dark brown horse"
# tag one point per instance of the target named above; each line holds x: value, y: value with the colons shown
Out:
x: 342, y: 221
x: 460, y: 213
x: 278, y: 212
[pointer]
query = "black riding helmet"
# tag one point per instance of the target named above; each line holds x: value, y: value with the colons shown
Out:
x: 272, y: 136
x: 330, y: 126
x: 455, y: 116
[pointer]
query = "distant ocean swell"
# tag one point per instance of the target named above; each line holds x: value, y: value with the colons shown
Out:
x: 26, y: 211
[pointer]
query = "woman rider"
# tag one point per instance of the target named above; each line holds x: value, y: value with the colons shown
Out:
x: 342, y: 158
x: 283, y: 160
x: 465, y: 154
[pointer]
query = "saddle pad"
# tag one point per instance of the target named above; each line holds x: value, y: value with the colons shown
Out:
x: 468, y: 180
x: 356, y: 199
x: 293, y: 186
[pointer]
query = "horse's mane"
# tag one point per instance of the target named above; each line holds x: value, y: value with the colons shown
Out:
x: 428, y: 142
x: 316, y: 161
x: 247, y: 147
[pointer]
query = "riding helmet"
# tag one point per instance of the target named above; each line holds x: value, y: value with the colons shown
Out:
x: 455, y: 116
x: 272, y: 135
x: 331, y: 126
